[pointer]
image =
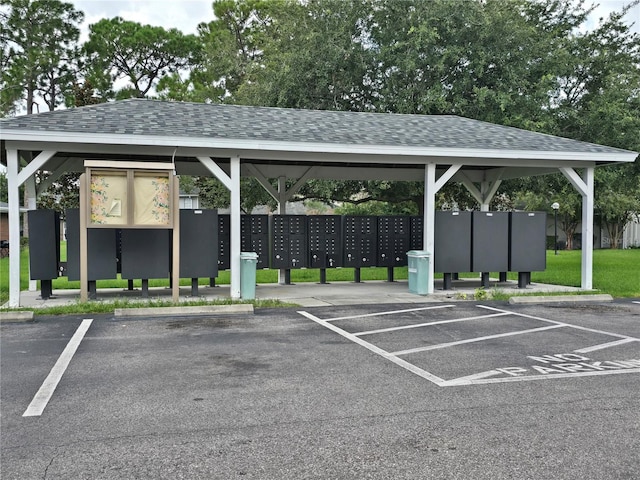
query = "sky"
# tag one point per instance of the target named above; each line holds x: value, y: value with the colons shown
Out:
x: 185, y: 15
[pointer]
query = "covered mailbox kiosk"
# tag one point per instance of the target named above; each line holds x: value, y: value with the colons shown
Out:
x: 281, y: 144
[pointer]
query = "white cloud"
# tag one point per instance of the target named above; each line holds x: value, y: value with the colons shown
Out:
x: 605, y: 7
x: 185, y: 15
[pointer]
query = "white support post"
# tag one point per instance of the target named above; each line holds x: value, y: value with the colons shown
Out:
x: 429, y: 217
x: 14, y: 227
x: 587, y: 231
x: 282, y: 210
x: 235, y: 226
x: 585, y: 187
x: 30, y: 188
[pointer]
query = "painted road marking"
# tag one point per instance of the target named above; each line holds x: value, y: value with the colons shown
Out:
x: 606, y: 345
x: 633, y: 301
x: 472, y: 340
x: 42, y: 397
x: 462, y: 381
x: 577, y: 327
x: 379, y: 351
x: 386, y: 313
x: 440, y: 322
x: 556, y: 366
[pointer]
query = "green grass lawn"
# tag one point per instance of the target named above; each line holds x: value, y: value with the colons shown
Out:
x: 616, y: 272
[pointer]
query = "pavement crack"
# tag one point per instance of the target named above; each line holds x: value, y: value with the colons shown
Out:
x: 46, y: 469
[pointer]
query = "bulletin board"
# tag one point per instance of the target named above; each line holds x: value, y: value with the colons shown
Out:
x: 130, y: 198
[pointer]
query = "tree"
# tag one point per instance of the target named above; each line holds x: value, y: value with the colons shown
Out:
x: 317, y: 56
x: 140, y: 54
x: 39, y: 40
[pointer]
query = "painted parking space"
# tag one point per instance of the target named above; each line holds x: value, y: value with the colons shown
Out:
x: 453, y: 345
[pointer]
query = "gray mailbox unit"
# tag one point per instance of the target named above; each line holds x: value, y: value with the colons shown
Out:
x: 452, y: 244
x: 145, y: 255
x: 490, y: 243
x: 198, y: 245
x: 527, y: 244
x: 44, y: 248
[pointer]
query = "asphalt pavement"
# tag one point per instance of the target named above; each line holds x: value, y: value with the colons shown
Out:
x: 439, y: 390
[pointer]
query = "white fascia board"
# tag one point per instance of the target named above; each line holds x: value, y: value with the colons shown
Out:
x: 247, y: 146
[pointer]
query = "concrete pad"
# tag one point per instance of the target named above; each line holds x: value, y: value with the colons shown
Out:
x: 182, y: 311
x: 560, y: 298
x: 17, y: 316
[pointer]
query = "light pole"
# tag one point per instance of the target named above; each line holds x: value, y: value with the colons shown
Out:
x: 555, y: 206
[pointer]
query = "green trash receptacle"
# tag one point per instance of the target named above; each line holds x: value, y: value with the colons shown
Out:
x: 418, y: 261
x: 248, y: 263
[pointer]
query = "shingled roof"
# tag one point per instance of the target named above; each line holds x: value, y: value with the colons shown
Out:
x: 153, y: 118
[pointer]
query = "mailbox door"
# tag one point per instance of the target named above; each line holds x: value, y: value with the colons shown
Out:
x: 452, y: 242
x: 44, y: 244
x: 145, y: 253
x: 198, y: 243
x: 490, y: 242
x: 527, y: 241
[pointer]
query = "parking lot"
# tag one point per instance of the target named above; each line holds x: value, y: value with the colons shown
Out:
x: 441, y: 390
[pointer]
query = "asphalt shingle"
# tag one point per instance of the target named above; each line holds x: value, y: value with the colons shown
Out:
x: 217, y: 121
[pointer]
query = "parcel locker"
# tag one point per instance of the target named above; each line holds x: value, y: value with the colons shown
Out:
x: 527, y: 241
x: 224, y: 242
x: 393, y: 241
x: 490, y: 242
x: 44, y: 244
x: 452, y: 242
x: 102, y: 245
x: 289, y: 247
x: 145, y: 253
x: 325, y: 241
x: 254, y: 237
x: 198, y: 243
x: 416, y: 232
x: 360, y: 239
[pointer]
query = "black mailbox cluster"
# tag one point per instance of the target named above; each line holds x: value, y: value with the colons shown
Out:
x: 464, y: 242
x: 360, y: 241
x: 289, y: 246
x: 325, y: 241
x: 490, y: 242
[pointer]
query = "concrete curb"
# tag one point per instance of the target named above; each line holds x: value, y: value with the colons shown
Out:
x: 17, y: 316
x: 561, y: 298
x: 182, y: 311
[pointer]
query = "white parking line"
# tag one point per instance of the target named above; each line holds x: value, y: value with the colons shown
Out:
x: 383, y: 353
x: 42, y: 397
x: 440, y: 322
x: 593, y: 330
x: 605, y: 345
x: 386, y: 313
x: 472, y: 340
